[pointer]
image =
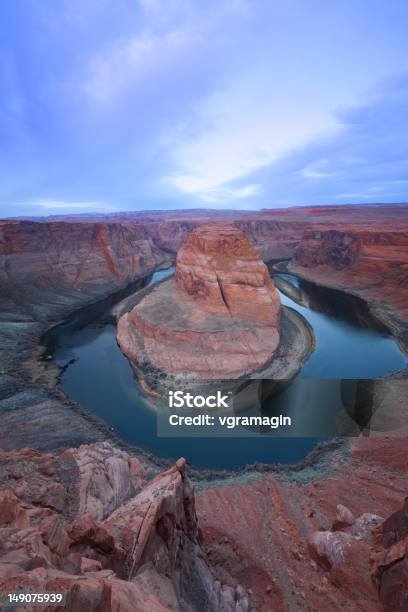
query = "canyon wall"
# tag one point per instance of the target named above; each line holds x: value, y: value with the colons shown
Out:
x: 370, y: 261
x: 79, y: 253
x: 47, y: 256
x: 48, y: 271
x: 51, y: 268
x: 109, y: 530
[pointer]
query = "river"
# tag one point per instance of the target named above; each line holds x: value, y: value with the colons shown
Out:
x: 99, y: 377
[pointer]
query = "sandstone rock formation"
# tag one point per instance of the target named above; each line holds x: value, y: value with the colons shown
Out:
x: 390, y: 564
x: 145, y: 555
x: 74, y: 255
x: 365, y: 542
x: 369, y: 260
x: 219, y: 316
x: 55, y: 507
x: 307, y: 540
x: 107, y: 477
x: 221, y: 271
x: 268, y: 543
x: 51, y: 268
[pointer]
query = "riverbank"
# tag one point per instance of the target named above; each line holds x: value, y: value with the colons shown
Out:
x: 34, y: 412
x: 43, y: 403
x: 381, y: 307
x: 360, y: 343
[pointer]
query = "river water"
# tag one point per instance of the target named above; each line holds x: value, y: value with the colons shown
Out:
x: 99, y: 377
x: 349, y: 343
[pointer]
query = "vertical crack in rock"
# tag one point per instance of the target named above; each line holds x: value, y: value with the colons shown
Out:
x: 223, y: 294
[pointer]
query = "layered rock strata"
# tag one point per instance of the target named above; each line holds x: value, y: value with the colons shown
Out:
x: 370, y: 261
x: 257, y: 530
x: 217, y: 318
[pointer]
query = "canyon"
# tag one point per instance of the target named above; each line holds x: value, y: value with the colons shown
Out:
x: 115, y: 527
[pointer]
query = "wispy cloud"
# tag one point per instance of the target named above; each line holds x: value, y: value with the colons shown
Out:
x: 228, y: 195
x: 56, y: 205
x: 318, y: 170
x: 172, y: 103
x: 241, y: 133
x: 130, y: 62
x: 366, y: 160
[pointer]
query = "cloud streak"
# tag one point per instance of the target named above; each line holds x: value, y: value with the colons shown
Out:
x: 164, y: 104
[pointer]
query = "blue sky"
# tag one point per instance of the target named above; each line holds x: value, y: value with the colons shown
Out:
x: 142, y: 104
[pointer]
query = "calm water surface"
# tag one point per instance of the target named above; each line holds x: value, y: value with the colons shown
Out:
x: 98, y: 376
x: 348, y: 342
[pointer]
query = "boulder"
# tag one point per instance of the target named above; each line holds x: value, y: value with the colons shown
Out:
x: 107, y: 477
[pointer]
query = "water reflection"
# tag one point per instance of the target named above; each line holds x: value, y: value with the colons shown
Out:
x: 100, y: 378
x: 349, y: 342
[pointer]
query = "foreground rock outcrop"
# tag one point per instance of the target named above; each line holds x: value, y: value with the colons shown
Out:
x: 390, y: 564
x: 66, y: 527
x: 94, y: 524
x: 219, y: 316
x: 357, y: 547
x: 315, y: 539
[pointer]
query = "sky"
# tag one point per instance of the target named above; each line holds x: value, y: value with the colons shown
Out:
x: 161, y: 104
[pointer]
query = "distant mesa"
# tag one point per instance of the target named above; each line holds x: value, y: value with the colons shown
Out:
x: 218, y: 317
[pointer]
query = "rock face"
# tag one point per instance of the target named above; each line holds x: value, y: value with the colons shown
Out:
x: 219, y: 316
x: 75, y: 255
x: 390, y: 565
x: 369, y: 260
x: 143, y: 554
x: 218, y: 267
x: 259, y: 533
x: 93, y: 478
x: 107, y: 477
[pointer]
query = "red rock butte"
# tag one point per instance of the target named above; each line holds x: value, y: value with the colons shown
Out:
x: 217, y: 318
